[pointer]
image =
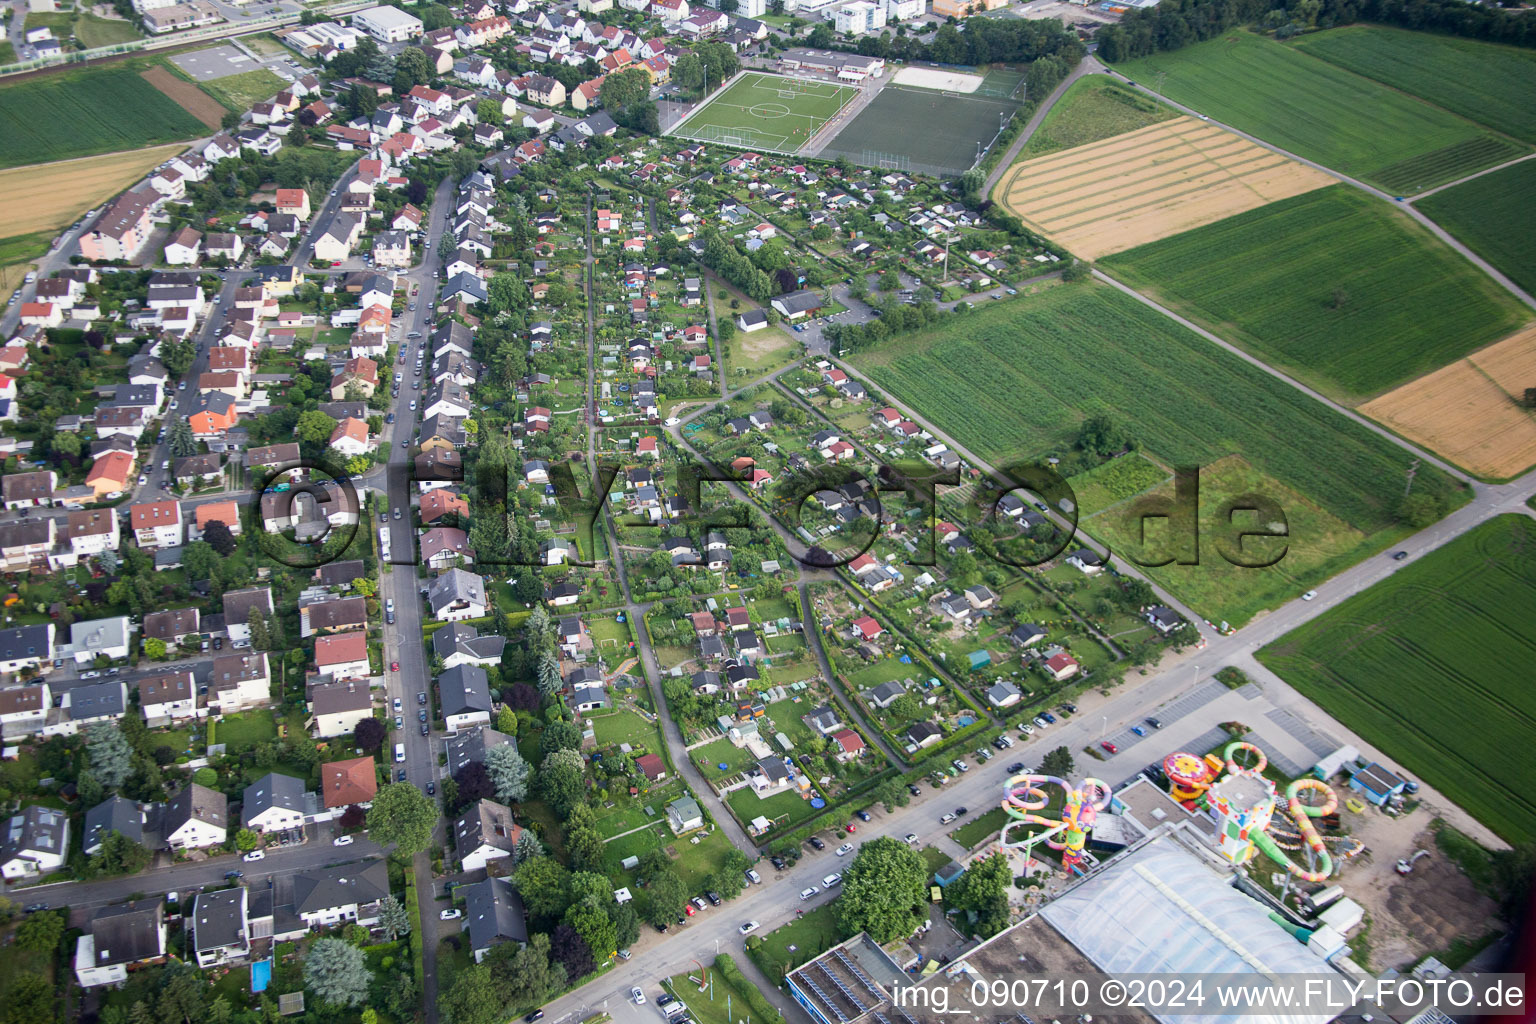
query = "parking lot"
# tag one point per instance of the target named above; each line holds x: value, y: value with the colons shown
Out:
x: 215, y: 62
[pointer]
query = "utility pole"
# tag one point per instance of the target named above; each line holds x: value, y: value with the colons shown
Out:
x: 1161, y: 75
x: 1413, y: 469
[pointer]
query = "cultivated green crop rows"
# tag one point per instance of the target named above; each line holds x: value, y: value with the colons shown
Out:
x: 1115, y: 481
x: 1495, y: 217
x: 1483, y: 82
x: 1305, y: 105
x: 1433, y: 667
x: 1332, y: 286
x: 1014, y: 381
x: 81, y: 113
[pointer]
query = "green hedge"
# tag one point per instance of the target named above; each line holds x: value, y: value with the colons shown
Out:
x: 413, y: 908
x: 764, y: 1010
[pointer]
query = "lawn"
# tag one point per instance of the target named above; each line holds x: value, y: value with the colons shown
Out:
x: 782, y: 950
x: 974, y: 832
x: 93, y: 32
x: 239, y: 92
x: 1185, y: 401
x: 609, y: 634
x: 624, y: 726
x: 1322, y: 112
x: 1333, y: 287
x: 1482, y: 82
x: 711, y: 756
x: 786, y: 805
x: 719, y: 1003
x: 766, y: 112
x: 244, y: 731
x: 98, y: 109
x: 1094, y: 108
x: 1432, y: 666
x: 1494, y: 216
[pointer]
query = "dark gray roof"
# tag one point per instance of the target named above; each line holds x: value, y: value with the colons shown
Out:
x: 218, y: 918
x: 207, y: 805
x: 341, y: 574
x: 129, y: 933
x: 25, y: 642
x: 329, y: 888
x: 463, y: 689
x: 35, y: 829
x: 456, y: 585
x: 269, y: 791
x: 114, y: 814
x: 772, y: 769
x: 799, y: 302
x: 97, y: 700
x: 493, y: 913
x: 471, y: 746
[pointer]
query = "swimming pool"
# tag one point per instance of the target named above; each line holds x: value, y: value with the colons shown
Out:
x: 261, y: 975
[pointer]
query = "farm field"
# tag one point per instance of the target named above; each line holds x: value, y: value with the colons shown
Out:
x: 81, y: 113
x: 1094, y: 108
x: 1431, y: 666
x: 1494, y: 217
x: 1334, y: 287
x: 46, y: 197
x: 1115, y: 481
x: 187, y: 94
x: 1161, y: 180
x: 1483, y: 82
x: 1185, y: 401
x: 772, y: 112
x: 1470, y: 412
x: 1320, y: 111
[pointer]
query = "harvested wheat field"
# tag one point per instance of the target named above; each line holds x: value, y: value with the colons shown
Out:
x: 192, y: 99
x: 43, y: 197
x: 1470, y: 411
x: 1157, y: 181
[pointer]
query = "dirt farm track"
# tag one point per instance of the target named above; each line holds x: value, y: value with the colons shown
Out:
x: 1113, y: 195
x: 1470, y: 411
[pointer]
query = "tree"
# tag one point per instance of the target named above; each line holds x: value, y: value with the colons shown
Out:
x: 625, y: 88
x: 394, y: 919
x: 245, y: 840
x: 667, y: 894
x: 1101, y: 435
x: 571, y: 951
x: 688, y: 73
x: 527, y: 847
x: 1419, y: 509
x: 885, y: 891
x: 180, y: 439
x: 41, y: 932
x: 983, y: 890
x: 1076, y: 270
x: 28, y: 999
x: 474, y: 782
x: 524, y: 972
x: 411, y: 68
x: 562, y: 780
x: 562, y: 736
x: 336, y: 972
x: 217, y: 536
x: 506, y: 292
x: 403, y: 816
x: 261, y: 636
x: 369, y: 734
x: 509, y: 773
x: 154, y: 647
x: 542, y: 882
x: 549, y: 673
x: 473, y: 998
x: 891, y: 794
x: 536, y: 628
x: 488, y: 111
x: 119, y: 855
x: 315, y: 427
x: 731, y: 878
x: 110, y: 755
x: 906, y: 707
x: 1530, y: 398
x: 583, y: 842
x: 1057, y: 762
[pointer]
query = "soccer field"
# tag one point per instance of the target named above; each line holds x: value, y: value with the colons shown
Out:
x: 769, y: 112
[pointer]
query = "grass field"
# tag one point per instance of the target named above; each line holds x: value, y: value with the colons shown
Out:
x: 101, y: 109
x: 239, y: 92
x: 1094, y: 108
x: 1320, y: 111
x: 1334, y: 287
x: 93, y: 31
x: 771, y: 112
x: 1157, y: 181
x: 938, y: 133
x: 1432, y: 666
x: 1015, y: 380
x: 1483, y: 82
x: 45, y: 197
x: 1494, y: 217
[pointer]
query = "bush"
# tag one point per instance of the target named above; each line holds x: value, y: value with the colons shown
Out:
x: 760, y: 1006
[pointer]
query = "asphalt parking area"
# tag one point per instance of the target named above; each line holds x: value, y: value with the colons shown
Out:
x: 215, y: 62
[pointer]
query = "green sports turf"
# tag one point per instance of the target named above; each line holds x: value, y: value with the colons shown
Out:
x: 769, y: 112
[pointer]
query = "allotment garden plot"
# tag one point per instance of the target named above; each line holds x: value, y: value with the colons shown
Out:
x: 1147, y: 184
x: 776, y: 113
x: 1433, y: 667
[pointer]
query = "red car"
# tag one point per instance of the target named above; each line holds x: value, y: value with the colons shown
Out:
x: 1110, y: 747
x: 394, y: 666
x: 851, y: 827
x: 688, y: 909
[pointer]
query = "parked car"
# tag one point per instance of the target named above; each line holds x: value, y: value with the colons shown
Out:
x: 342, y: 841
x: 808, y: 892
x: 1154, y: 723
x: 1016, y: 767
x: 748, y: 928
x: 914, y: 790
x: 535, y: 1015
x: 1309, y: 595
x: 911, y: 837
x: 945, y: 819
x: 861, y: 815
x: 845, y: 849
x: 1138, y: 730
x: 1110, y: 747
x: 451, y: 915
x: 817, y: 843
x: 254, y: 855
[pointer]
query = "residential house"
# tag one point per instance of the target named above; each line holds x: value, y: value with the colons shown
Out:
x: 493, y: 914
x: 464, y: 697
x: 457, y: 595
x: 273, y: 803
x: 170, y: 697
x: 219, y: 929
x: 35, y: 843
x: 342, y: 655
x: 119, y: 939
x: 336, y: 708
x: 483, y: 833
x: 195, y: 818
x: 353, y: 782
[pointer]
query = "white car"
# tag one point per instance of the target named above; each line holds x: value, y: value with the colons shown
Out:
x: 254, y: 856
x: 342, y: 841
x: 637, y: 995
x: 1309, y: 595
x: 397, y: 705
x: 451, y: 915
x: 845, y: 849
x: 831, y: 880
x: 808, y: 892
x: 750, y: 926
x: 911, y: 837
